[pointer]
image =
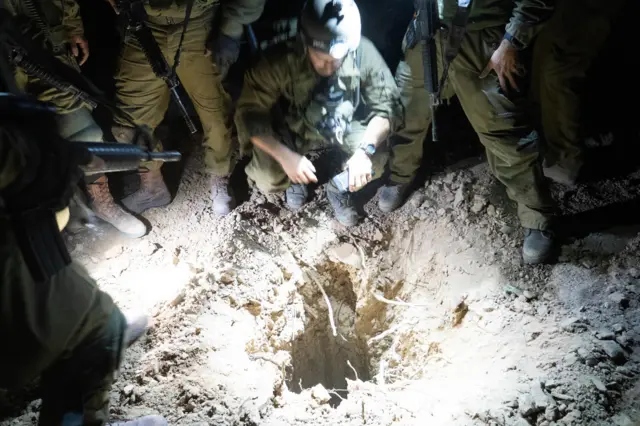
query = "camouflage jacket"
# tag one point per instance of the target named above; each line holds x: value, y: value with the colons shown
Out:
x: 522, y: 18
x: 285, y: 77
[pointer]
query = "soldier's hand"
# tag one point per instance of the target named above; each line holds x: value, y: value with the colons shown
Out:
x: 299, y: 168
x: 78, y: 44
x: 225, y: 51
x: 360, y: 170
x: 504, y: 62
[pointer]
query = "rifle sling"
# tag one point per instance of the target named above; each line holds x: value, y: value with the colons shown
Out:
x: 454, y: 40
x: 185, y: 23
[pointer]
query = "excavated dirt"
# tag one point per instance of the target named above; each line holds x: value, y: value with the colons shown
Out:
x: 433, y: 318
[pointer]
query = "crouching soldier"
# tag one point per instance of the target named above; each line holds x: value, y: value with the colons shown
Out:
x: 333, y: 90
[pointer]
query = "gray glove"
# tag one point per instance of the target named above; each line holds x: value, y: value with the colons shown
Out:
x: 225, y: 51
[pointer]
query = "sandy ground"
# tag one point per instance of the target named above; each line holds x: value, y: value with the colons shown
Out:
x: 433, y: 319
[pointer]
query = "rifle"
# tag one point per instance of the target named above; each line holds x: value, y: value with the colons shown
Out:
x: 135, y: 16
x: 428, y: 23
x: 20, y: 58
x: 36, y: 229
x: 34, y: 219
x: 117, y: 157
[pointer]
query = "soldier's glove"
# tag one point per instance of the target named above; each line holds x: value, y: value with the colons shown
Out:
x: 225, y: 51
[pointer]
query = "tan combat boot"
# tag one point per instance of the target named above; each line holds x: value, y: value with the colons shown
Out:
x: 152, y: 193
x: 222, y: 195
x: 106, y: 209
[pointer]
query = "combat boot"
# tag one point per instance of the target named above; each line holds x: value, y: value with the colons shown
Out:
x: 152, y: 193
x: 538, y: 246
x: 143, y: 421
x: 296, y: 196
x: 222, y: 195
x: 343, y: 205
x: 392, y: 196
x: 136, y: 327
x: 106, y: 209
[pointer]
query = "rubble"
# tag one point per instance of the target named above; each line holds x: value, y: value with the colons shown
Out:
x: 235, y: 319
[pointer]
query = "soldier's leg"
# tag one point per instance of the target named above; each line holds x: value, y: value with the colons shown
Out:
x: 76, y: 123
x: 64, y: 329
x: 346, y: 204
x: 267, y: 174
x: 79, y: 125
x: 139, y: 92
x: 146, y: 98
x: 566, y: 49
x: 408, y: 142
x: 502, y: 124
x: 47, y: 323
x: 202, y: 82
x: 407, y: 146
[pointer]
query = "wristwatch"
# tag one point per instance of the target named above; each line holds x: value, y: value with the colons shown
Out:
x: 369, y: 149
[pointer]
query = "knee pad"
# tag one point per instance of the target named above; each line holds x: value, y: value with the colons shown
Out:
x: 79, y: 125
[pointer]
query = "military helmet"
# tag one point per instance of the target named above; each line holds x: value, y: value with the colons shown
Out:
x: 331, y: 26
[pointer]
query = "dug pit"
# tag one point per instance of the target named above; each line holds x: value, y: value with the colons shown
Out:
x: 329, y: 350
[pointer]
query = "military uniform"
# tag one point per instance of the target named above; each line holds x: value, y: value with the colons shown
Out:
x: 286, y: 78
x: 562, y: 56
x: 499, y: 119
x: 54, y: 22
x: 64, y: 328
x: 146, y: 97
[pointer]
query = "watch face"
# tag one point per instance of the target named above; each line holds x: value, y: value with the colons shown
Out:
x: 370, y: 149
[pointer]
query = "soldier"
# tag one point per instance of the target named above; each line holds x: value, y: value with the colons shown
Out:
x: 58, y: 326
x: 146, y: 97
x: 334, y: 90
x: 566, y: 48
x: 58, y: 26
x: 485, y: 75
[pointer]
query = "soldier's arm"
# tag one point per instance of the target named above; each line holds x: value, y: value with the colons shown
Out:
x: 527, y: 20
x: 237, y: 13
x: 71, y: 19
x: 380, y: 93
x: 263, y: 86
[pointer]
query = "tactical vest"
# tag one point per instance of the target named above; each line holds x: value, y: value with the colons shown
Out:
x: 325, y: 115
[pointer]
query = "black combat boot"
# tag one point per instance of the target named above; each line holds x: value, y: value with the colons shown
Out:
x: 538, y: 246
x: 392, y: 196
x: 343, y: 205
x: 296, y: 195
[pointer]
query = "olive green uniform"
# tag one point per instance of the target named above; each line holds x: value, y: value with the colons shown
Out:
x: 286, y: 78
x: 562, y: 56
x: 499, y: 120
x: 56, y: 22
x: 146, y: 97
x: 64, y: 329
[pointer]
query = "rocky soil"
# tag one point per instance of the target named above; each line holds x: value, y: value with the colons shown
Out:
x: 423, y: 316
